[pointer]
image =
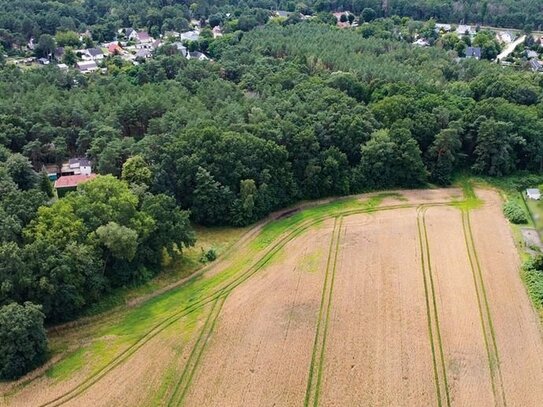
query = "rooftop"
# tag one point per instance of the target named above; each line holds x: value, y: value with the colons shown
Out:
x: 70, y: 181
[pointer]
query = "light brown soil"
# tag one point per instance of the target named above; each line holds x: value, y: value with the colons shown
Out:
x: 378, y: 350
x: 261, y: 348
x: 517, y: 329
x: 463, y: 342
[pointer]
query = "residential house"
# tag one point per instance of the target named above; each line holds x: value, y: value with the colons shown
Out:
x: 52, y: 171
x: 282, y: 13
x: 94, y: 54
x: 531, y: 54
x: 198, y: 56
x: 181, y: 49
x: 114, y: 49
x: 130, y: 34
x: 193, y: 35
x: 76, y: 166
x: 86, y: 66
x: 533, y: 193
x: 535, y: 65
x: 144, y: 53
x: 421, y: 42
x: 68, y: 183
x: 505, y: 37
x: 465, y: 30
x: 62, y: 67
x: 473, y: 52
x: 143, y: 40
x: 443, y: 27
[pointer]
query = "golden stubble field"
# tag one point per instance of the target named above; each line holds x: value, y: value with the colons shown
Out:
x: 416, y: 303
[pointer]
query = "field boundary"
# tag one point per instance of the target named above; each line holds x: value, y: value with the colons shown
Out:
x: 319, y: 344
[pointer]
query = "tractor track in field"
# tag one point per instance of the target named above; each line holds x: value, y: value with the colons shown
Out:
x: 180, y: 390
x: 228, y: 286
x: 485, y: 315
x: 321, y: 331
x: 438, y: 358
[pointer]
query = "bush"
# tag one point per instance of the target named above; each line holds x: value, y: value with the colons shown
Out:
x: 23, y: 344
x: 208, y: 256
x: 514, y: 213
x: 533, y: 275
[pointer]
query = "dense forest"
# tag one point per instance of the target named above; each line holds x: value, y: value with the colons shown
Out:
x: 282, y: 113
x: 24, y: 19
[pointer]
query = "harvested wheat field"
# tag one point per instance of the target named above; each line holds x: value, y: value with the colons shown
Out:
x: 411, y: 298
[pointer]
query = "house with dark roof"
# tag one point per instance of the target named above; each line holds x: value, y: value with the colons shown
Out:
x: 94, y: 54
x: 68, y: 183
x: 197, y: 55
x: 86, y: 66
x: 473, y: 52
x: 535, y: 65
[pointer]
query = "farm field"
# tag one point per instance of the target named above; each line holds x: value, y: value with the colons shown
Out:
x: 400, y: 299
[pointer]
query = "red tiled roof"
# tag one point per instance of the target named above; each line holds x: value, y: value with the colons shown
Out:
x: 70, y: 181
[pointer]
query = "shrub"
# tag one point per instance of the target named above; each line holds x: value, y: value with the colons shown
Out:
x: 514, y: 213
x: 533, y: 275
x: 208, y: 256
x: 23, y: 344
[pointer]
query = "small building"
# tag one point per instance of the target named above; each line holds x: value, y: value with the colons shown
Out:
x: 473, y: 52
x: 62, y: 67
x: 94, y: 54
x: 193, y: 35
x: 181, y: 49
x: 443, y: 27
x: 86, y: 66
x: 144, y: 53
x: 76, y: 166
x: 465, y: 30
x: 421, y: 42
x: 533, y: 193
x: 68, y: 183
x: 535, y: 65
x: 43, y: 61
x: 197, y: 55
x: 52, y: 171
x: 531, y: 54
x: 114, y: 49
